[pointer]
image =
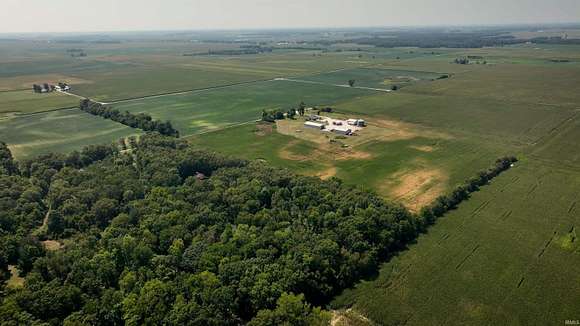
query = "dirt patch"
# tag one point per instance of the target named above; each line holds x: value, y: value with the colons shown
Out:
x: 327, y: 173
x: 424, y: 148
x: 417, y: 188
x: 263, y: 129
x: 51, y: 245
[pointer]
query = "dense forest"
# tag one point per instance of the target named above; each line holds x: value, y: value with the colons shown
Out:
x: 169, y: 234
x: 142, y: 121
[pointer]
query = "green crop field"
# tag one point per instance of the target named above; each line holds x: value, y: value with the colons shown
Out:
x: 213, y: 109
x: 22, y: 102
x: 507, y: 256
x: 373, y: 77
x: 58, y: 131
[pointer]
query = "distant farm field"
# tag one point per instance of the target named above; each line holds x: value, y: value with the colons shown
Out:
x: 374, y: 77
x: 485, y: 117
x: 213, y: 109
x: 21, y: 102
x: 59, y: 131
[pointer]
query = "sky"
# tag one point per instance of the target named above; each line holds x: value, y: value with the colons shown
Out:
x: 141, y: 15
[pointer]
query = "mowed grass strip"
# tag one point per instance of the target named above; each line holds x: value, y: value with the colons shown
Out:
x: 58, y: 131
x: 26, y: 101
x: 504, y: 257
x: 201, y: 111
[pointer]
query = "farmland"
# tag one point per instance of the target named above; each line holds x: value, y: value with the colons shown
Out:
x: 58, y: 131
x: 22, y: 102
x: 213, y: 109
x: 462, y: 273
x: 487, y: 262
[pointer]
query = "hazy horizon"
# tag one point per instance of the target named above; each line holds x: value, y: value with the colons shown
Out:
x: 59, y: 16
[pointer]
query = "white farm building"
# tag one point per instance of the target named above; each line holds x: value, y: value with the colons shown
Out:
x: 315, y: 125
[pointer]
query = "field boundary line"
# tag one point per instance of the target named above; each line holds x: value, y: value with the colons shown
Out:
x: 384, y: 90
x: 45, y: 111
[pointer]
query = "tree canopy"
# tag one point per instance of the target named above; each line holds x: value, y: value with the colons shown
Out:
x: 147, y: 242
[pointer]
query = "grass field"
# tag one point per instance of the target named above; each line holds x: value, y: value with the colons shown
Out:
x: 22, y: 102
x: 59, y: 131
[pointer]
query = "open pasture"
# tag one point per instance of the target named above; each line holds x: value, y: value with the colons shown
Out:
x: 201, y: 111
x: 58, y: 131
x: 510, y: 249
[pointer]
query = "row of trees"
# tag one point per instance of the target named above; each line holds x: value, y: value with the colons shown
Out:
x: 433, y: 39
x: 142, y: 121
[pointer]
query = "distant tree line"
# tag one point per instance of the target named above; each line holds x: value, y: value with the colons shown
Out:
x: 244, y: 50
x: 142, y: 121
x: 555, y: 40
x: 446, y: 203
x: 432, y: 39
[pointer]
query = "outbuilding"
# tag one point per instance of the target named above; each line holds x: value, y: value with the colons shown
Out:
x: 315, y: 125
x: 342, y: 131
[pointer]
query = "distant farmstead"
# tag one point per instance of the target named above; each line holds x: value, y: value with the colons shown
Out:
x: 47, y: 88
